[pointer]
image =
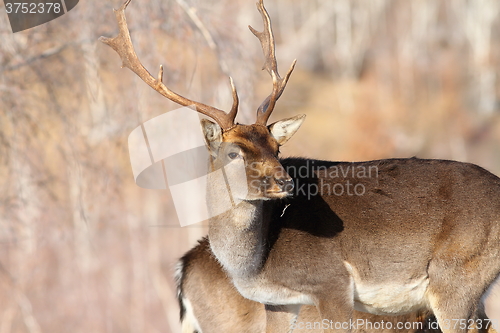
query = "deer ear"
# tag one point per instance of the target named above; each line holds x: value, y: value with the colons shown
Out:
x: 212, y: 134
x: 283, y: 130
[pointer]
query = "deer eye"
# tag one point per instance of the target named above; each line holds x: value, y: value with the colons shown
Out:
x: 233, y: 155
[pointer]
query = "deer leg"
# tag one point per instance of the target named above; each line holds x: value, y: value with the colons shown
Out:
x: 455, y: 290
x: 281, y: 318
x: 336, y: 314
x: 456, y: 310
x: 484, y: 324
x: 490, y: 329
x: 455, y: 305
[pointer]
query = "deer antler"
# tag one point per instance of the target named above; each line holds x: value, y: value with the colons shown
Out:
x: 122, y: 44
x: 266, y: 38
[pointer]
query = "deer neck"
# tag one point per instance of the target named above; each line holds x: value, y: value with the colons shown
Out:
x: 236, y: 229
x: 238, y: 239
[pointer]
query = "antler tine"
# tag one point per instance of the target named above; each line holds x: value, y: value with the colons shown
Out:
x: 266, y: 38
x: 122, y: 44
x: 234, y: 109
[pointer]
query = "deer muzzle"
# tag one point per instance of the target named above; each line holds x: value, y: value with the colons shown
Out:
x: 276, y: 187
x: 285, y: 184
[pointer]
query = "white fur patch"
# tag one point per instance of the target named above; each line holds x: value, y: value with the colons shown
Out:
x: 272, y: 294
x: 189, y: 323
x: 389, y: 298
x: 179, y: 268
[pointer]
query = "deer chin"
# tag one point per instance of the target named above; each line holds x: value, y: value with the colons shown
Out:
x: 270, y: 195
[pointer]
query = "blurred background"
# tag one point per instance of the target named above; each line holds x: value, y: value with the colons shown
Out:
x: 83, y: 249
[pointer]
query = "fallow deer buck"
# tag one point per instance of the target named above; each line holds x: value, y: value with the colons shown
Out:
x: 209, y: 303
x: 385, y: 237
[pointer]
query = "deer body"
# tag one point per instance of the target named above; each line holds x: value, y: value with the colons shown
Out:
x: 210, y: 304
x: 416, y: 235
x: 423, y: 236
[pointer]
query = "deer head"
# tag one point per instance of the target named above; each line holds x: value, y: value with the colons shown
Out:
x: 257, y: 144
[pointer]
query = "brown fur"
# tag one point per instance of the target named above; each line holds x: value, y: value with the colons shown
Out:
x: 219, y: 308
x: 433, y: 224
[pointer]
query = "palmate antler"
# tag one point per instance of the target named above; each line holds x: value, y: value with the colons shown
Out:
x: 266, y: 38
x: 122, y: 44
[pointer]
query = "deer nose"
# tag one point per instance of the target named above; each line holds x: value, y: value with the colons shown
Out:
x: 285, y: 184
